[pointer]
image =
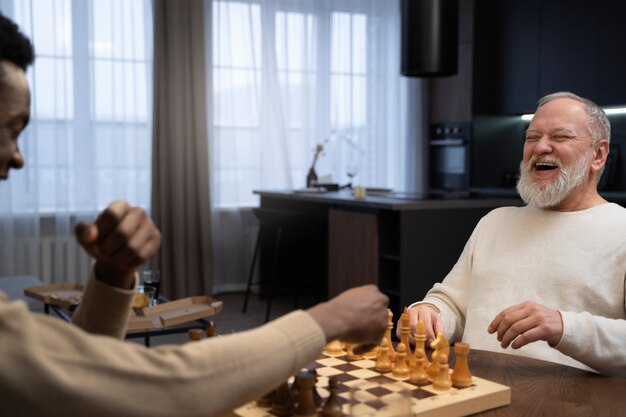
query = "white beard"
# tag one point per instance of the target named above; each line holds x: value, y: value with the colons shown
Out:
x: 552, y: 194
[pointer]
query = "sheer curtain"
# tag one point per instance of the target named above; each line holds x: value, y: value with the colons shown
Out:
x: 288, y: 75
x: 88, y: 142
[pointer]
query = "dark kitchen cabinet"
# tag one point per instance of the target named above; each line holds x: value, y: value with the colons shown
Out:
x: 506, y: 56
x: 612, y: 47
x: 568, y: 48
x: 525, y: 49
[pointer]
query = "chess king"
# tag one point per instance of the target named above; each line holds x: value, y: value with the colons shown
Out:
x: 545, y: 280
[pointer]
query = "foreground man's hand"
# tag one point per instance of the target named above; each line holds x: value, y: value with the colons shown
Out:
x: 121, y: 239
x: 525, y: 323
x: 358, y: 315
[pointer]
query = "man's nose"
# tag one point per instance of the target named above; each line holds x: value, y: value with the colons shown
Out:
x: 17, y: 161
x: 543, y: 146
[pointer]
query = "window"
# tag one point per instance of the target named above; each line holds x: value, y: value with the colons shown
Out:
x: 88, y: 142
x: 288, y: 75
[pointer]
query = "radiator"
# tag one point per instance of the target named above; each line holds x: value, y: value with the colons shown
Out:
x: 54, y: 260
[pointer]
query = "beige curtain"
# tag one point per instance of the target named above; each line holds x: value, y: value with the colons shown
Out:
x: 180, y: 172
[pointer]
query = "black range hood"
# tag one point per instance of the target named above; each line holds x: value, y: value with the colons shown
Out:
x: 430, y: 38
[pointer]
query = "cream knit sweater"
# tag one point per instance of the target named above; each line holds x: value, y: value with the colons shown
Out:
x: 574, y: 262
x: 52, y: 368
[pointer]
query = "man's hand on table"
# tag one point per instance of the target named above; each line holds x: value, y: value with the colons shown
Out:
x: 121, y: 239
x: 525, y: 323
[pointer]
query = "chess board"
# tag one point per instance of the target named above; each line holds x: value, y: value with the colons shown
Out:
x: 365, y: 392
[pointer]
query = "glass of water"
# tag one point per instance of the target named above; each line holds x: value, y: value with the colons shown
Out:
x: 152, y: 278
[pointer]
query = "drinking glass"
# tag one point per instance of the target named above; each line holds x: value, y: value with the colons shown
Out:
x: 351, y: 170
x: 152, y: 278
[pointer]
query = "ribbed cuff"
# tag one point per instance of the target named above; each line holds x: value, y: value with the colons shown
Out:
x: 570, y: 339
x: 428, y: 303
x: 104, y: 309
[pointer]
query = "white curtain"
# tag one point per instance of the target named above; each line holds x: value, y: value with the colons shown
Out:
x: 288, y: 75
x: 88, y: 142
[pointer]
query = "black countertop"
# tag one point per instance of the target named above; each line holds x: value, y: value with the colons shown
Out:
x: 392, y: 200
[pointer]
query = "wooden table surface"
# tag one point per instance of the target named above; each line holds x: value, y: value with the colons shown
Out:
x: 541, y: 388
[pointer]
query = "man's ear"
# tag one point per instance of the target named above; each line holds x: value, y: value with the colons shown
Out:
x: 600, y: 155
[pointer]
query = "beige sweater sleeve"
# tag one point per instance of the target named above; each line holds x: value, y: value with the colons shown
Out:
x: 104, y: 309
x: 53, y: 368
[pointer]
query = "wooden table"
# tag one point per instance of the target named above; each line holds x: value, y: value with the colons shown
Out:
x: 541, y: 388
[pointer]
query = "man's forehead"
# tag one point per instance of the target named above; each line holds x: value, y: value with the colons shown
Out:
x: 551, y: 129
x: 562, y: 114
x: 13, y: 83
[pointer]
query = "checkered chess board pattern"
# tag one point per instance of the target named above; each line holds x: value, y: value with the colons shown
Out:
x: 365, y: 392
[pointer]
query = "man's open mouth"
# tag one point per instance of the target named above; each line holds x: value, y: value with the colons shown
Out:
x: 545, y: 166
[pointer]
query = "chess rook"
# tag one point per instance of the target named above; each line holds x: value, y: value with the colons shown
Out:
x: 461, y: 376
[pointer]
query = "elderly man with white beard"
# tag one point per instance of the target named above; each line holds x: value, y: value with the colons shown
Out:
x: 547, y: 280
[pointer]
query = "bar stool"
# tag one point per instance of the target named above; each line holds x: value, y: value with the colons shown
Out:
x: 283, y: 225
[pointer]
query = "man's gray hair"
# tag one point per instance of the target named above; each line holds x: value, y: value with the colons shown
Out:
x: 597, y: 122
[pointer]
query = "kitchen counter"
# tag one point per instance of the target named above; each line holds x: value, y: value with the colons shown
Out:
x: 395, y: 201
x: 402, y: 242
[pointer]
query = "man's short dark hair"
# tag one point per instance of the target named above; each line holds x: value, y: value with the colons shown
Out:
x: 15, y: 47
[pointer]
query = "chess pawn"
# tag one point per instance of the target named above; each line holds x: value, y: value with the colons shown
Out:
x: 461, y: 376
x: 383, y: 363
x: 441, y: 346
x: 283, y: 404
x: 306, y: 403
x: 350, y: 355
x: 400, y: 368
x: 332, y: 406
x: 316, y: 395
x: 442, y: 381
x: 193, y: 335
x: 294, y: 388
x: 371, y: 354
x: 390, y: 352
x: 335, y: 346
x: 418, y: 375
x: 211, y: 329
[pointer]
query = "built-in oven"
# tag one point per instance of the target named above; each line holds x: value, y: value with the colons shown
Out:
x: 449, y: 156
